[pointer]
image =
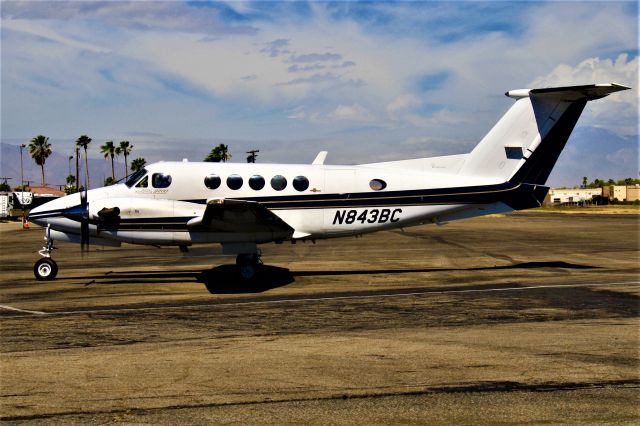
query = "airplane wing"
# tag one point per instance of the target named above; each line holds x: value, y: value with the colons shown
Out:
x: 224, y: 215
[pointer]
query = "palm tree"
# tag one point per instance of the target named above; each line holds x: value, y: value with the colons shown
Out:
x: 40, y: 150
x: 82, y: 142
x: 71, y: 183
x: 219, y: 153
x: 109, y: 150
x: 137, y: 164
x: 224, y: 153
x: 124, y: 149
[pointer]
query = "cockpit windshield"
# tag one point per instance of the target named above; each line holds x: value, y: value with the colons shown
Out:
x: 135, y: 177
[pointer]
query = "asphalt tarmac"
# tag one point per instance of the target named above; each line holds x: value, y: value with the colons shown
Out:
x: 523, y: 318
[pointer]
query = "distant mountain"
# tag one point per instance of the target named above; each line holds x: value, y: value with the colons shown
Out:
x: 591, y: 151
x: 56, y: 168
x: 595, y: 153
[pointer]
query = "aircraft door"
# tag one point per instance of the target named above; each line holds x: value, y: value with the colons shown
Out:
x: 338, y: 185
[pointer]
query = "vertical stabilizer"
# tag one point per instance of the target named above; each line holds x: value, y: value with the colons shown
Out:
x: 526, y: 142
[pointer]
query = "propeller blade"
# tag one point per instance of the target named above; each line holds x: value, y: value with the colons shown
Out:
x: 84, y: 222
x: 84, y: 236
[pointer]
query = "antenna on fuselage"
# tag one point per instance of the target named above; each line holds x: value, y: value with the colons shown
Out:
x: 319, y: 161
x: 253, y: 154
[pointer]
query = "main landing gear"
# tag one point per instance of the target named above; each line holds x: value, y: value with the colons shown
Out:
x: 248, y: 265
x: 46, y: 268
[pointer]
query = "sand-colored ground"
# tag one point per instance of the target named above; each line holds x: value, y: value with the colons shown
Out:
x: 523, y: 318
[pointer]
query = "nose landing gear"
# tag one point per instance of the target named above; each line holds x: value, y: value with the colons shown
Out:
x: 46, y: 268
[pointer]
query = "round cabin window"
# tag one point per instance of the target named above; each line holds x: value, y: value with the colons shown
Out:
x: 234, y: 182
x: 377, y: 184
x: 278, y: 182
x: 300, y: 183
x: 256, y: 182
x: 212, y: 181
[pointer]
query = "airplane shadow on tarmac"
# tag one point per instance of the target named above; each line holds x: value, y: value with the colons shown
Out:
x: 224, y: 279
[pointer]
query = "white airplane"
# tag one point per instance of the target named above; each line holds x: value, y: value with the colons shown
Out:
x: 243, y: 205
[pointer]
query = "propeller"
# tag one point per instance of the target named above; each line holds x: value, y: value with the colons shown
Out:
x: 84, y: 221
x: 107, y: 218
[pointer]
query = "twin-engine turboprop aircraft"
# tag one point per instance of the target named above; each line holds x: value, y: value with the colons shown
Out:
x: 243, y: 205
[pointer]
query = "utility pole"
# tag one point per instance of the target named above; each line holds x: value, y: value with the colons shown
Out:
x: 24, y: 216
x: 77, y: 167
x: 22, y: 146
x: 70, y: 158
x: 252, y: 155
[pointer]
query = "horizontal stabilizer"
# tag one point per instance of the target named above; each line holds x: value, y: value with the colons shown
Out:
x: 588, y: 92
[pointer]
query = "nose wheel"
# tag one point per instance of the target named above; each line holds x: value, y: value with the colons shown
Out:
x: 45, y: 269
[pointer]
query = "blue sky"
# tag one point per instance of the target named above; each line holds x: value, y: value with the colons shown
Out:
x: 367, y: 81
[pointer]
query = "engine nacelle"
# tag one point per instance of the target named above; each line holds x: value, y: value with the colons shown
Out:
x: 75, y: 238
x: 146, y: 221
x: 128, y: 209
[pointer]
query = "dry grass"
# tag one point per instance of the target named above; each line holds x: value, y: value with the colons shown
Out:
x: 611, y: 209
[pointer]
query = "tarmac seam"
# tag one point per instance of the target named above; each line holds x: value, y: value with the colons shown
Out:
x: 480, y: 387
x: 314, y: 299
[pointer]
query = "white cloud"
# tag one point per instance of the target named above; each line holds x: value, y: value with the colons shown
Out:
x: 618, y: 112
x: 355, y: 112
x: 33, y: 29
x: 402, y: 103
x: 136, y: 15
x: 181, y: 71
x: 315, y: 57
x: 624, y: 156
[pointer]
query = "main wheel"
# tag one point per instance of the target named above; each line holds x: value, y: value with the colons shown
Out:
x: 247, y: 265
x: 45, y: 269
x: 247, y: 271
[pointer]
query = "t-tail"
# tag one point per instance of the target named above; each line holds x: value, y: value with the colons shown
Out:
x: 522, y: 148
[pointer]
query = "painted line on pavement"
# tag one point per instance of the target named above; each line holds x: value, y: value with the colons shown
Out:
x: 315, y: 299
x: 11, y: 308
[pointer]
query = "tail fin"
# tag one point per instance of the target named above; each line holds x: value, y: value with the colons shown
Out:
x: 525, y: 143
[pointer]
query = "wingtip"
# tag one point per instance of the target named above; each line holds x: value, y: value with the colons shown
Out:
x: 616, y: 86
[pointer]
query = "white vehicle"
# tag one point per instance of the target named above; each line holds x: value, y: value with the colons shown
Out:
x: 6, y: 204
x: 243, y: 205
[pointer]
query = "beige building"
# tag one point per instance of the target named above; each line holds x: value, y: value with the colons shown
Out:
x: 622, y: 192
x: 633, y: 193
x: 571, y: 195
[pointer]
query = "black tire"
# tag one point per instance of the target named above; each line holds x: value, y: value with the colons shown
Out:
x: 247, y: 271
x: 45, y: 269
x: 247, y: 266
